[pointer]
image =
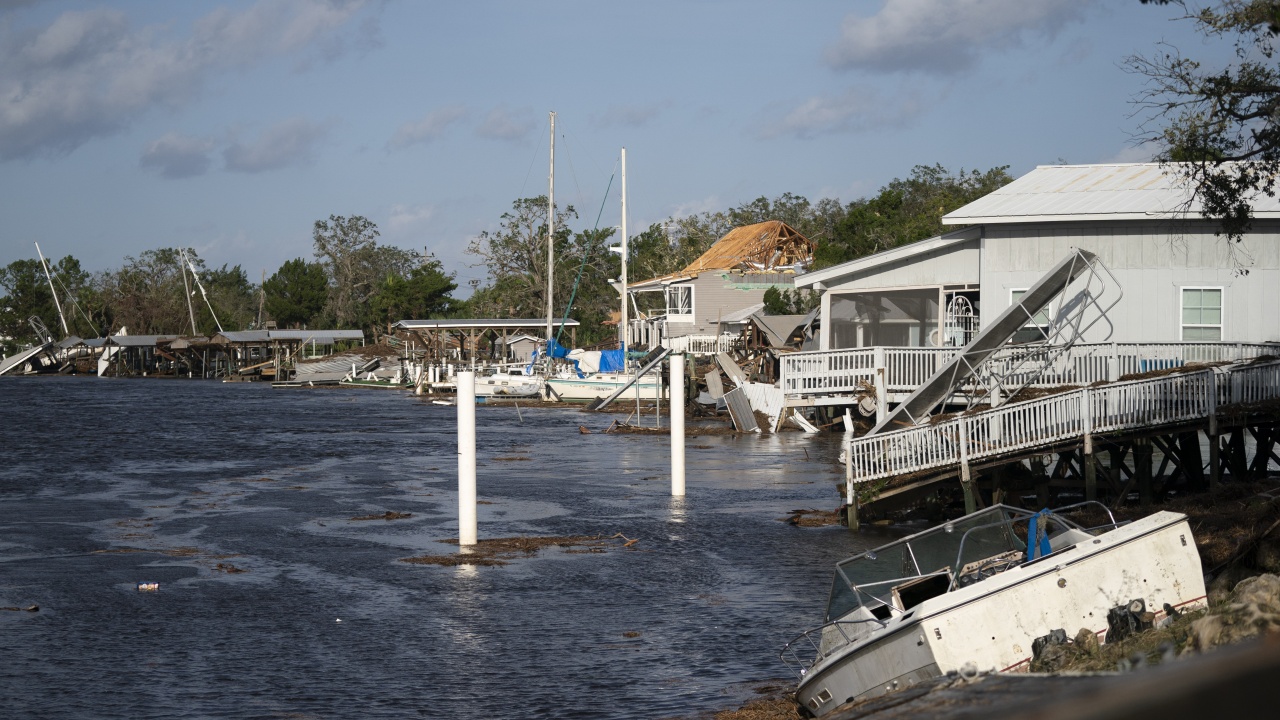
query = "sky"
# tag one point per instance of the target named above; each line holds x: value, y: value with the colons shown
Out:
x: 232, y: 127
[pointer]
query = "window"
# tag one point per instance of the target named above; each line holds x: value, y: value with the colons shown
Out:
x: 680, y: 303
x: 1201, y: 314
x: 1035, y: 329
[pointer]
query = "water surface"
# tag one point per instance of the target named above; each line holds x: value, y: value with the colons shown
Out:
x: 106, y: 483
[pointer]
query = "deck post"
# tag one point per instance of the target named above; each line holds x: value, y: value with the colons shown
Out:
x: 1215, y: 464
x: 1142, y: 468
x: 1041, y: 475
x: 881, y: 381
x: 851, y: 496
x: 1086, y: 455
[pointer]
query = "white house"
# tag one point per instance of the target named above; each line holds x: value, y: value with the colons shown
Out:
x: 1180, y: 281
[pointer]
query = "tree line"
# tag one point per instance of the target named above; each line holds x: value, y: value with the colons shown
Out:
x: 353, y: 281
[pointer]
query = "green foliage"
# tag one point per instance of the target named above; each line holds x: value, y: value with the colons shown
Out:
x: 905, y: 211
x: 358, y: 269
x: 147, y: 295
x: 232, y: 296
x: 425, y: 293
x: 516, y: 257
x: 1208, y: 119
x: 784, y: 301
x: 296, y: 293
x: 26, y: 294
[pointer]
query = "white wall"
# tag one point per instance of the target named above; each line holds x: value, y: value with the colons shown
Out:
x: 1152, y: 262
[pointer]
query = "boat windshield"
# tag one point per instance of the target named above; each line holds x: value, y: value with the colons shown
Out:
x: 879, y: 579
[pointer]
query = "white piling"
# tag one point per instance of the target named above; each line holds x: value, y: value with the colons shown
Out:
x: 466, y: 458
x: 677, y: 425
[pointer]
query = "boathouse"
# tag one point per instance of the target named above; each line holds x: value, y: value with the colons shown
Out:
x: 706, y: 303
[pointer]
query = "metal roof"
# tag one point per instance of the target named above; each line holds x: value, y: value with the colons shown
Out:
x: 467, y: 324
x: 320, y: 336
x: 138, y: 340
x: 1063, y: 193
x: 885, y: 257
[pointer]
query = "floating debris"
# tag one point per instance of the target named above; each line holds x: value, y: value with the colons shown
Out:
x: 148, y: 587
x: 29, y: 608
x: 499, y: 551
x: 388, y: 515
x: 228, y: 568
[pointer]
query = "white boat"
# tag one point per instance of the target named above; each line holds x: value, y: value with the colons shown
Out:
x: 508, y: 385
x: 602, y: 385
x: 973, y: 595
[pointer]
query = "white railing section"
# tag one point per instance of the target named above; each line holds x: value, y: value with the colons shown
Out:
x: 704, y: 344
x: 837, y: 372
x: 1019, y: 426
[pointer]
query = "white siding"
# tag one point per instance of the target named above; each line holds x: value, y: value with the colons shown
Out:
x: 953, y: 265
x: 1152, y: 262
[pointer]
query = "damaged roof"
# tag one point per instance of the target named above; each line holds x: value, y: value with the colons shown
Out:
x: 770, y: 246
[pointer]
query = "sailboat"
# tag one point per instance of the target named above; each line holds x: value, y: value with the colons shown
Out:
x: 607, y: 374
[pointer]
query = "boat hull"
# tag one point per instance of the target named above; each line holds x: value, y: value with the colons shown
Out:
x: 990, y: 625
x: 602, y: 385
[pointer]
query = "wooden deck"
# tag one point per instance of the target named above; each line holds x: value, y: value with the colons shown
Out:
x: 1061, y: 434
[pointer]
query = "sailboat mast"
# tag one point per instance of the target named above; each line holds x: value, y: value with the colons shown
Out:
x: 551, y: 232
x: 622, y: 324
x: 187, y: 289
x: 48, y: 276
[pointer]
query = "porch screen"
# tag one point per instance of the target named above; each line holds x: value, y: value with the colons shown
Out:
x: 898, y: 318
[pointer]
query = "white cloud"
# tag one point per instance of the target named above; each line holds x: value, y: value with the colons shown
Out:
x: 91, y: 74
x: 409, y: 222
x: 858, y: 108
x: 292, y: 142
x: 504, y: 124
x: 178, y: 156
x: 428, y: 128
x: 945, y: 37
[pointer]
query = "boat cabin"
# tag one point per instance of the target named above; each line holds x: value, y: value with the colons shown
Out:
x: 891, y: 580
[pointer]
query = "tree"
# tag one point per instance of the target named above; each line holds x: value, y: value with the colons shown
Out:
x: 1207, y: 120
x: 147, y: 294
x: 781, y: 301
x: 232, y: 296
x: 516, y: 257
x: 905, y: 211
x: 425, y: 293
x: 296, y: 293
x: 342, y: 246
x: 26, y: 295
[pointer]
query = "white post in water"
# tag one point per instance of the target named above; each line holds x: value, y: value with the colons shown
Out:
x: 677, y: 424
x: 466, y: 458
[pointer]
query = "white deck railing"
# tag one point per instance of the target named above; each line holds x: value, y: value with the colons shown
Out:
x: 703, y: 344
x: 842, y: 372
x: 1120, y: 406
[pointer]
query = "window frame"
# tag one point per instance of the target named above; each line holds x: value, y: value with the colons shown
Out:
x: 677, y: 316
x: 1183, y: 325
x: 1033, y: 322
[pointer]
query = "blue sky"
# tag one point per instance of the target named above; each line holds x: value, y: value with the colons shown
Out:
x: 231, y: 127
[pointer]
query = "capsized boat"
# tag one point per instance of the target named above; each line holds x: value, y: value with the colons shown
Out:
x: 973, y: 594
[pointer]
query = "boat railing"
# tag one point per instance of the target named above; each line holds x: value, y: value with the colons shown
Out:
x: 815, y: 644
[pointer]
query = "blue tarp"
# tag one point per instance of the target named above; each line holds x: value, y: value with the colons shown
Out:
x: 613, y: 361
